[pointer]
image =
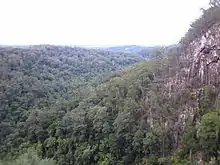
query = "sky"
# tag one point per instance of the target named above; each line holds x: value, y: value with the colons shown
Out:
x: 96, y: 22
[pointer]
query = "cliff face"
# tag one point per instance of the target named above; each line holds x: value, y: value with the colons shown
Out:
x: 198, y: 67
x: 203, y: 55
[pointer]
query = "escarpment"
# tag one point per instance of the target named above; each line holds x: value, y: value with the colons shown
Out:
x: 203, y: 55
x: 195, y: 82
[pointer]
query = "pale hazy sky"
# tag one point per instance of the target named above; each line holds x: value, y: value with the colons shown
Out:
x: 96, y: 22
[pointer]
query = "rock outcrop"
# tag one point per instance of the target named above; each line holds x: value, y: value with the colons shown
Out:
x: 198, y: 68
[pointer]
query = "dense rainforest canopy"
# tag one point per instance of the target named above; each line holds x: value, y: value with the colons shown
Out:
x: 74, y: 106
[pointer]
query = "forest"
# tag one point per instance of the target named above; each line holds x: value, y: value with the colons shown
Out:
x: 76, y: 106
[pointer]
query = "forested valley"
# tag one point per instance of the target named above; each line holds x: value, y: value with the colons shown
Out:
x: 77, y: 106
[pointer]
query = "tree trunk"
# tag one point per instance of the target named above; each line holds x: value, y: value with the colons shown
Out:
x: 190, y: 155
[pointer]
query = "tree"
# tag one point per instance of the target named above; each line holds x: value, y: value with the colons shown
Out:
x: 214, y: 2
x: 190, y: 140
x: 209, y: 134
x: 29, y: 158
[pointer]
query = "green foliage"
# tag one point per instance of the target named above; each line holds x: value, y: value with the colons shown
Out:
x: 209, y: 134
x: 204, y: 138
x: 178, y: 158
x: 101, y: 125
x: 152, y: 143
x: 29, y: 158
x: 190, y: 139
x: 40, y: 84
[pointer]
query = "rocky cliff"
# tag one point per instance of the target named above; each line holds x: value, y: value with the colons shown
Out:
x: 197, y: 71
x: 203, y: 55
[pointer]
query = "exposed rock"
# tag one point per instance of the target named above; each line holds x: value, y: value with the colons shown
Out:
x: 200, y: 67
x: 203, y: 55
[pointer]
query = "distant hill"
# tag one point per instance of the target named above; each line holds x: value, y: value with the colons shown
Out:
x: 127, y: 48
x: 147, y: 52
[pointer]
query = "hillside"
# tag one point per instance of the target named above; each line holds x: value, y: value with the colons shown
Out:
x: 146, y: 52
x: 43, y: 78
x: 163, y: 111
